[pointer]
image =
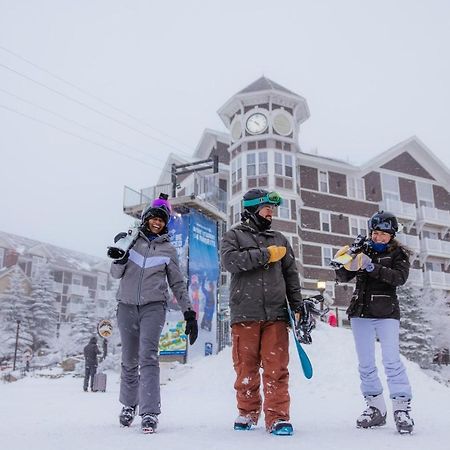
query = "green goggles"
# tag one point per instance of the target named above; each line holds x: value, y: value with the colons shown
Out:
x: 272, y: 198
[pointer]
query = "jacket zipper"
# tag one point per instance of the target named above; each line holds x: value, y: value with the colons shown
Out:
x: 141, y: 276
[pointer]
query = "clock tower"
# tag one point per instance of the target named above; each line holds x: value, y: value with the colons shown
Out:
x: 264, y: 121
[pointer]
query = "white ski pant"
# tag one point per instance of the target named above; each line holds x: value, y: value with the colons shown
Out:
x: 365, y: 333
x: 140, y: 329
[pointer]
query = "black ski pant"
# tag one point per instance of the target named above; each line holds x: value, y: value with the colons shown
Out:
x: 89, y: 374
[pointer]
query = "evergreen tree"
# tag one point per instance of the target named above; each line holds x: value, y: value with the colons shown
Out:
x: 14, y: 306
x: 43, y: 316
x: 83, y: 327
x: 436, y: 303
x: 415, y: 329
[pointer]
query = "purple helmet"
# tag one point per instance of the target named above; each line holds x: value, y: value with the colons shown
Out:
x: 160, y: 207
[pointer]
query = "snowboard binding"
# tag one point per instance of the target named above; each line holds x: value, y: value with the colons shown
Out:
x: 312, y: 306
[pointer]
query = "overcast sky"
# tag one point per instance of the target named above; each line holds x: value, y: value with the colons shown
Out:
x: 373, y: 74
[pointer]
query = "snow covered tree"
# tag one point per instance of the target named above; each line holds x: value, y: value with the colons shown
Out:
x: 438, y: 309
x: 14, y: 307
x: 83, y: 327
x: 415, y: 330
x: 42, y: 316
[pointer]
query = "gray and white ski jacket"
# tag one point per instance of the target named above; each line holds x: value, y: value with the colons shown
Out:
x: 151, y: 267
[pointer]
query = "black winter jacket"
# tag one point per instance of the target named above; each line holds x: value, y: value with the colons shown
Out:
x: 90, y: 353
x: 375, y: 294
x: 258, y: 290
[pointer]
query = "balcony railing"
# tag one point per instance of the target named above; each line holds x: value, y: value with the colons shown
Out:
x: 415, y: 277
x: 434, y: 216
x: 410, y: 241
x: 202, y: 187
x: 401, y: 209
x: 437, y: 280
x: 436, y: 247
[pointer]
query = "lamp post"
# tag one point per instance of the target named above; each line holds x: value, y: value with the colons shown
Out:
x: 17, y: 344
x: 321, y: 286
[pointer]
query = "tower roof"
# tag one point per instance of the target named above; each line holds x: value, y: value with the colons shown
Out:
x: 264, y: 84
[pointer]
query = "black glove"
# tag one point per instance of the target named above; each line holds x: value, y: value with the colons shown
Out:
x: 123, y: 260
x: 191, y: 326
x: 120, y: 236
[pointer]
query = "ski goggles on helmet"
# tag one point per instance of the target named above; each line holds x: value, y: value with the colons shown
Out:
x: 272, y: 198
x: 382, y: 225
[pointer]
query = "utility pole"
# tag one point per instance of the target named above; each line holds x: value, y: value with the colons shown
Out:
x: 17, y: 344
x: 197, y: 166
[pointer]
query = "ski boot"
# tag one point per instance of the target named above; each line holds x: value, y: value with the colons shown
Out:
x: 403, y: 421
x: 375, y: 413
x: 126, y: 416
x: 281, y: 428
x: 243, y: 423
x: 149, y: 423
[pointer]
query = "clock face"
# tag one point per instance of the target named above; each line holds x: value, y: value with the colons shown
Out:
x: 256, y: 123
x: 282, y: 124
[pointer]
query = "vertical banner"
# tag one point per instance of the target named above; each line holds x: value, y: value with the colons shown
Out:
x: 173, y: 343
x: 203, y: 273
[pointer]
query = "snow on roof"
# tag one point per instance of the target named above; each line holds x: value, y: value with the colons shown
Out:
x: 61, y: 257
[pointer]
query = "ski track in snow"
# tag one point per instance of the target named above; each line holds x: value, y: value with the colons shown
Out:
x: 198, y: 409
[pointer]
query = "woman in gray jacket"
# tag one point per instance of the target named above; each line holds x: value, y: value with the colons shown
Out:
x: 149, y: 266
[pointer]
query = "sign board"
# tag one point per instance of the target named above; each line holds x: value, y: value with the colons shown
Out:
x: 104, y: 328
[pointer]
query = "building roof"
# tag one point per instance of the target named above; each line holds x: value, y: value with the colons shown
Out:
x: 264, y: 84
x: 61, y: 257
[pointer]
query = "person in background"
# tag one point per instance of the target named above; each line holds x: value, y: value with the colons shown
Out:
x: 374, y: 312
x: 149, y: 267
x: 263, y: 275
x: 91, y: 352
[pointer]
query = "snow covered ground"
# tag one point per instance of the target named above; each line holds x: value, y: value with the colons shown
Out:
x: 199, y: 409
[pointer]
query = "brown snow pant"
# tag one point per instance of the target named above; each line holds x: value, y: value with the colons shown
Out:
x: 266, y: 345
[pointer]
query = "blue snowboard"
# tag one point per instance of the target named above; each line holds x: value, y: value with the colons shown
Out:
x: 304, y: 360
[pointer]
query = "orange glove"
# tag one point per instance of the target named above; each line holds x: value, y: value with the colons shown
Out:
x: 276, y: 253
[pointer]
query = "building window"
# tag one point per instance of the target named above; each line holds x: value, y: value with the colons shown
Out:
x: 283, y: 165
x: 356, y: 188
x: 390, y: 187
x: 37, y: 262
x: 325, y: 221
x: 284, y: 210
x: 323, y: 181
x: 358, y: 226
x: 327, y: 255
x: 236, y: 170
x: 433, y: 267
x: 425, y: 194
x: 251, y: 164
x: 102, y: 280
x: 262, y: 157
x: 77, y: 279
x: 256, y: 164
x: 237, y: 212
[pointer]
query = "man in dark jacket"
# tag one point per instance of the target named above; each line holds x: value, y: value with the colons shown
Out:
x: 263, y: 274
x: 374, y: 313
x: 91, y: 363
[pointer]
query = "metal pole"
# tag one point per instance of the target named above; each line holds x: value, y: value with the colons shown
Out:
x: 17, y: 344
x: 174, y: 180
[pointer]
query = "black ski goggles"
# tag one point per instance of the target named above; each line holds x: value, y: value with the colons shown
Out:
x: 382, y: 225
x: 272, y: 198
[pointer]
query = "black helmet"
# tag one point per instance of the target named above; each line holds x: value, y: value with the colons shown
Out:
x: 160, y: 207
x: 383, y: 221
x: 255, y: 198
